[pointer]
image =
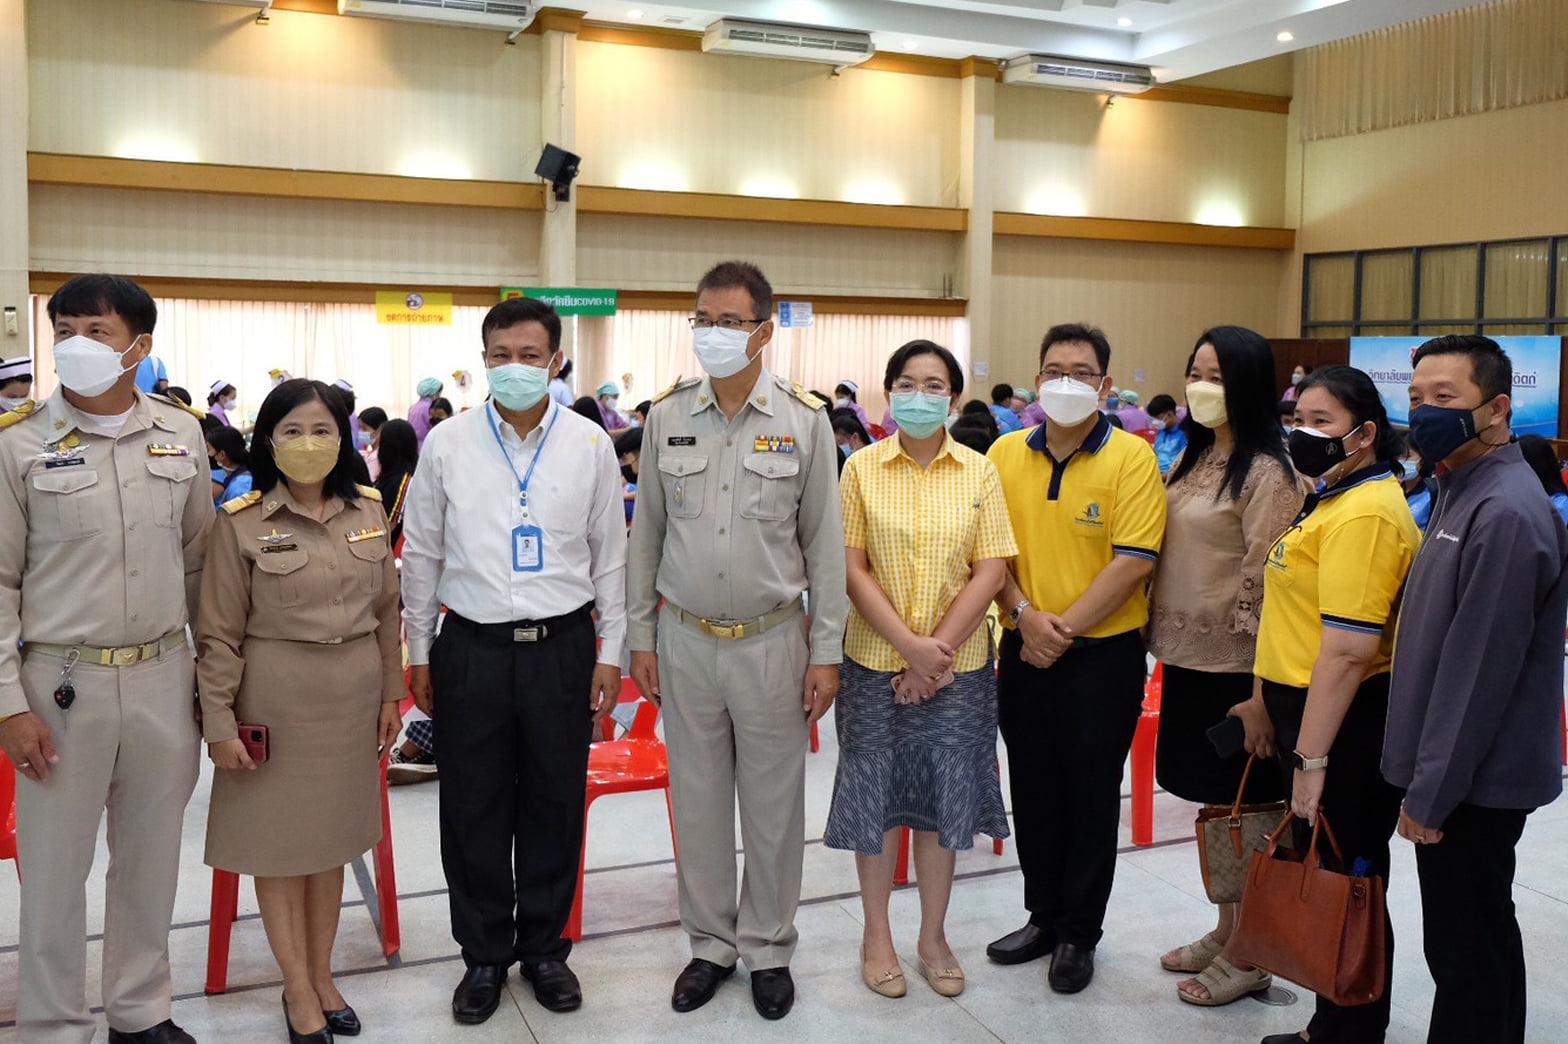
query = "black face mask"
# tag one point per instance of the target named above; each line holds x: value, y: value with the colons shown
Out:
x: 628, y: 474
x: 1314, y: 453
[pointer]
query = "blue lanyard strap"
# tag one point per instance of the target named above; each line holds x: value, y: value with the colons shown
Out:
x: 526, y: 477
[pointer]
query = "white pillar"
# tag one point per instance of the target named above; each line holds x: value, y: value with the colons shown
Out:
x: 14, y: 264
x: 976, y: 191
x: 558, y: 125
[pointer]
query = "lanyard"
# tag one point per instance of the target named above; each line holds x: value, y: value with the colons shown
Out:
x: 526, y: 477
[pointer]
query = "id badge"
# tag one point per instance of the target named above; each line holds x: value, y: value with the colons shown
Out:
x: 527, y: 549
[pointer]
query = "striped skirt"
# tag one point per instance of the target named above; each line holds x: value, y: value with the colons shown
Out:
x: 931, y: 766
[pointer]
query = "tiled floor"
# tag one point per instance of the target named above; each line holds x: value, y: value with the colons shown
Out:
x: 634, y: 948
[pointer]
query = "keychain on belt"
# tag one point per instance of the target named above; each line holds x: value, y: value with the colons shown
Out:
x: 65, y: 693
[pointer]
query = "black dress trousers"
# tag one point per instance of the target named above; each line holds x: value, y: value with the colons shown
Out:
x: 515, y: 727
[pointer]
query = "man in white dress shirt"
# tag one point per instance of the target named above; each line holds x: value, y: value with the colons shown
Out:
x: 514, y: 523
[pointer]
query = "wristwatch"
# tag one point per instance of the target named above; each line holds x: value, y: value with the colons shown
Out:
x: 1016, y: 612
x: 1306, y: 764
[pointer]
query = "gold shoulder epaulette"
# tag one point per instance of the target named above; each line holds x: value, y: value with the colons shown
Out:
x: 239, y: 504
x: 172, y: 401
x: 805, y: 395
x: 369, y: 493
x: 679, y: 385
x: 18, y: 415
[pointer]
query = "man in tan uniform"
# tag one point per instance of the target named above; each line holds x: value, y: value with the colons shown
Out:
x: 104, y: 515
x: 737, y: 517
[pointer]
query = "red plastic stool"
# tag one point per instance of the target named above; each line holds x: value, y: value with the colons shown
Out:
x: 226, y: 900
x: 8, y: 813
x: 1143, y: 759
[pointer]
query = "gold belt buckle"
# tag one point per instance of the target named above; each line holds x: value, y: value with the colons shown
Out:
x: 125, y: 657
x: 731, y: 631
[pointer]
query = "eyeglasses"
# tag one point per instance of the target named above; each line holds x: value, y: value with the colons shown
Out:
x: 702, y: 322
x: 905, y: 385
x: 1082, y: 376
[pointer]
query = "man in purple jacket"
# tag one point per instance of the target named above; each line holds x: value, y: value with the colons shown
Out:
x: 1477, y: 686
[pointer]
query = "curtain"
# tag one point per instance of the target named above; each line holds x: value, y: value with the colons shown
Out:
x: 1516, y: 275
x: 1386, y: 284
x: 1331, y: 288
x: 1448, y: 283
x: 1492, y: 56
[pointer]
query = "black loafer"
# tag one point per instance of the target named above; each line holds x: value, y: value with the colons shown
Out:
x: 166, y: 1032
x: 697, y: 983
x: 1029, y: 943
x: 1072, y: 968
x: 773, y: 992
x: 479, y: 994
x: 555, y: 987
x: 321, y: 1036
x: 344, y: 1022
x: 1284, y: 1038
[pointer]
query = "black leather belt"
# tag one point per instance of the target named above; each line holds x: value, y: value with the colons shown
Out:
x: 524, y: 630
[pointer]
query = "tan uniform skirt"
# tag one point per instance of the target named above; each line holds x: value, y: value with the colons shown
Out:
x: 316, y: 803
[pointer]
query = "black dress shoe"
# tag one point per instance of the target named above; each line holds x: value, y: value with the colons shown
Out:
x: 479, y: 994
x: 321, y: 1036
x: 555, y: 987
x: 344, y: 1022
x: 697, y: 983
x: 166, y: 1032
x: 773, y: 992
x: 1029, y: 943
x: 1072, y: 968
x: 1284, y: 1038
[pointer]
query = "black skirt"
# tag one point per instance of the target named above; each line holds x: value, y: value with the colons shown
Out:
x: 1185, y: 763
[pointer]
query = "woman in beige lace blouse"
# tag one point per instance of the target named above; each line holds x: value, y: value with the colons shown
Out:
x: 1229, y: 498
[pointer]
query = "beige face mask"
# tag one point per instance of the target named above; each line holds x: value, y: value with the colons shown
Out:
x: 307, y: 459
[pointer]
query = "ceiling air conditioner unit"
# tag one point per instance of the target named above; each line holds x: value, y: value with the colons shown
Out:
x: 775, y: 40
x: 511, y: 15
x: 1076, y: 74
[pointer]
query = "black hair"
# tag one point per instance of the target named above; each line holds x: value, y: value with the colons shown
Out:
x: 279, y: 403
x: 1306, y: 369
x: 1354, y: 390
x: 975, y: 436
x: 1286, y: 408
x: 179, y: 394
x: 846, y: 423
x: 349, y: 401
x: 1489, y: 364
x: 372, y: 418
x: 1115, y: 421
x: 1000, y: 393
x: 1543, y: 461
x: 1161, y: 404
x: 1066, y: 333
x: 213, y: 397
x: 565, y: 372
x: 742, y: 274
x: 628, y: 441
x: 589, y: 407
x: 398, y: 453
x: 101, y: 294
x: 978, y: 414
x: 824, y: 396
x: 439, y: 403
x: 210, y: 424
x: 899, y: 359
x: 1247, y: 366
x: 643, y: 408
x: 230, y: 443
x: 515, y: 310
x: 847, y: 392
x: 974, y: 408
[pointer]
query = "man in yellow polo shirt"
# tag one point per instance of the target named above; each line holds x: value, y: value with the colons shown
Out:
x: 1088, y: 510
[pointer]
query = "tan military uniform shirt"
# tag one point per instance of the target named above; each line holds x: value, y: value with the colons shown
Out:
x: 275, y: 572
x: 737, y: 518
x: 105, y: 534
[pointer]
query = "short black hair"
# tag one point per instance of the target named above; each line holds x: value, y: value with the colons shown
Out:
x: 899, y: 359
x: 1490, y: 366
x: 1161, y: 404
x: 1287, y: 408
x: 1000, y: 393
x: 279, y: 403
x: 726, y: 274
x: 515, y: 310
x: 644, y: 407
x: 976, y: 436
x: 588, y: 407
x: 1543, y: 461
x: 103, y: 294
x: 1354, y: 390
x: 349, y: 401
x: 179, y: 394
x: 372, y: 418
x: 399, y: 450
x: 846, y: 422
x: 231, y: 443
x: 1067, y: 333
x: 628, y: 441
x: 439, y: 403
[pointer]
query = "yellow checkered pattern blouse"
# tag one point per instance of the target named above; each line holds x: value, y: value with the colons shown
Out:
x: 921, y: 529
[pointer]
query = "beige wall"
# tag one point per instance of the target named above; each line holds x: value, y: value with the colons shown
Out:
x: 155, y: 79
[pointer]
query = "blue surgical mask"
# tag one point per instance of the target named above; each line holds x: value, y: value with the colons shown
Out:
x: 919, y: 413
x: 518, y: 387
x: 1439, y: 431
x: 846, y: 449
x: 362, y: 440
x: 1407, y: 470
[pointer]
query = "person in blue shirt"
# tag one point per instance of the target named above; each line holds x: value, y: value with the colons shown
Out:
x: 1538, y: 453
x: 231, y: 477
x: 1002, y: 410
x: 152, y: 375
x: 1169, y: 440
x: 1420, y: 490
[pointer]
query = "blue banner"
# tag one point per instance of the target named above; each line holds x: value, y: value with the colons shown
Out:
x: 1537, y: 373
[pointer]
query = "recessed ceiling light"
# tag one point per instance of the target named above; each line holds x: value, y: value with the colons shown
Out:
x: 635, y: 16
x: 1285, y: 36
x: 1124, y: 22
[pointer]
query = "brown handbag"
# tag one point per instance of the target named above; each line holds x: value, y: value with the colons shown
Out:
x: 1322, y: 929
x: 1227, y: 837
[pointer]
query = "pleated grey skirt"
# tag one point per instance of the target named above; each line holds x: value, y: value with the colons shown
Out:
x: 929, y: 767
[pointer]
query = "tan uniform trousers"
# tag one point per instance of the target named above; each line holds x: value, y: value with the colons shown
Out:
x: 130, y: 744
x: 734, y: 726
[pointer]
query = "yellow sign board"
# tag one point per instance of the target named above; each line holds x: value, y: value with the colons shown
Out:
x: 412, y: 308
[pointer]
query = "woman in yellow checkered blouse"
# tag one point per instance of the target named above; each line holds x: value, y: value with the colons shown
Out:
x: 928, y: 539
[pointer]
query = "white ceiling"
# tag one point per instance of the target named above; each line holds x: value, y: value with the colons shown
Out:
x: 1177, y: 38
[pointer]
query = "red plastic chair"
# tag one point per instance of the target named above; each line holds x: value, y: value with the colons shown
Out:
x: 637, y: 761
x: 629, y: 694
x: 1143, y: 759
x: 816, y: 740
x: 901, y: 866
x: 8, y: 813
x: 226, y: 900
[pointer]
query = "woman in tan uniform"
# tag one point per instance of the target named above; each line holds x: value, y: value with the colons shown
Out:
x: 299, y: 632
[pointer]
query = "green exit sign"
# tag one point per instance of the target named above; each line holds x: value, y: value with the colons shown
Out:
x: 567, y: 300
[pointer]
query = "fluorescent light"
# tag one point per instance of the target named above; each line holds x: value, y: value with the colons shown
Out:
x: 634, y: 15
x: 1057, y: 200
x: 873, y: 190
x: 1221, y: 212
x: 1285, y: 36
x: 155, y: 147
x: 911, y: 45
x: 1124, y: 22
x: 769, y: 187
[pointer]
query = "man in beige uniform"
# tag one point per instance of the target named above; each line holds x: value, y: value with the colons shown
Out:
x: 104, y: 515
x: 737, y: 516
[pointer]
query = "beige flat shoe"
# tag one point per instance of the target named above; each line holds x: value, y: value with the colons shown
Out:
x: 889, y: 982
x: 1227, y: 984
x: 1195, y: 956
x: 947, y: 982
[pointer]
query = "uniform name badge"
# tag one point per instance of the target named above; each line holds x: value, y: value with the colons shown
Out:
x: 527, y: 549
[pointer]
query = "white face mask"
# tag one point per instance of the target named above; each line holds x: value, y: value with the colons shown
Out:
x: 721, y: 352
x: 8, y: 402
x: 88, y: 367
x: 1295, y: 379
x: 842, y: 402
x: 1067, y: 402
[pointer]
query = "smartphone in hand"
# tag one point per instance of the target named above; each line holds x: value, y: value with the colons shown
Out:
x: 1229, y: 737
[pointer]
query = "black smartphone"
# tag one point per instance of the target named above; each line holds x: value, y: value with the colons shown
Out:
x: 1229, y: 737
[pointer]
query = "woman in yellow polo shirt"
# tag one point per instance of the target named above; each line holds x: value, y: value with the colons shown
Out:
x: 927, y: 538
x: 1331, y: 590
